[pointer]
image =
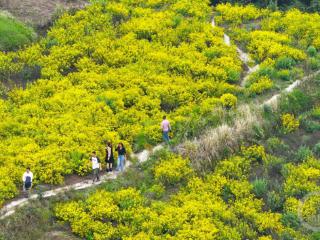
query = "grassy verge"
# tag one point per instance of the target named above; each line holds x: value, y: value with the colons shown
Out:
x: 14, y: 34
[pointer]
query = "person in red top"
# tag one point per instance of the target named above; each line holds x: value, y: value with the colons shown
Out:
x: 166, y: 128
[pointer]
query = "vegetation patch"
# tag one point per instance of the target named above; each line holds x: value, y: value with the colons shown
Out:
x: 14, y: 34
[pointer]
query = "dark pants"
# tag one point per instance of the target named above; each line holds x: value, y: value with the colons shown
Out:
x: 27, y: 189
x: 96, y: 174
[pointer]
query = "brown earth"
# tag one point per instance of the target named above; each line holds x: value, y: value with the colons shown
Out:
x: 39, y: 13
x: 59, y: 235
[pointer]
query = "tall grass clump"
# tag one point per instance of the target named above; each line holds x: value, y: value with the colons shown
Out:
x: 220, y: 142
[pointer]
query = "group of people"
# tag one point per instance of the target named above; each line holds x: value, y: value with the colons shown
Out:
x: 122, y: 153
x: 109, y: 159
x: 27, y: 177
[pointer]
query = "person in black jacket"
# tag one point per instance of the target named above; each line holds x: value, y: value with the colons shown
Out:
x: 109, y: 157
x: 121, y: 156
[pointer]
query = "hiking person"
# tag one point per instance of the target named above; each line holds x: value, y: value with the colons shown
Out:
x: 27, y: 179
x: 121, y: 156
x: 95, y: 166
x: 109, y: 157
x: 166, y: 128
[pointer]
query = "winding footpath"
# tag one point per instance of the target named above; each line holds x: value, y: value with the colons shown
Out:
x: 10, y: 208
x: 244, y: 57
x: 143, y: 156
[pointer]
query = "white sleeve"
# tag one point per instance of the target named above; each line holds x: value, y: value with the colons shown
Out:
x: 24, y: 177
x: 31, y: 175
x: 109, y: 152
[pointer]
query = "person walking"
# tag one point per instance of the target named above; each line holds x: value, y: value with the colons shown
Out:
x: 121, y: 156
x: 27, y: 179
x: 95, y: 166
x: 109, y: 157
x: 166, y: 128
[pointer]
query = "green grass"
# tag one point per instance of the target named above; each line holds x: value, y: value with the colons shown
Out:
x: 14, y: 34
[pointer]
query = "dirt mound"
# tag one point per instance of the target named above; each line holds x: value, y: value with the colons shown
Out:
x: 39, y: 12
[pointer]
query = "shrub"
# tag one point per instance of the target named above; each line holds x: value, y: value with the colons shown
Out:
x: 312, y: 51
x: 267, y: 71
x: 315, y: 236
x: 129, y: 198
x: 310, y: 126
x: 287, y: 236
x: 314, y: 63
x: 262, y: 85
x: 274, y: 164
x: 289, y: 123
x: 303, y: 153
x: 260, y: 187
x: 295, y: 102
x: 227, y: 195
x: 157, y: 191
x: 172, y: 171
x: 254, y: 153
x: 229, y: 100
x: 235, y: 167
x: 290, y: 220
x: 316, y: 149
x: 274, y: 201
x: 285, y: 62
x: 284, y: 75
x: 276, y: 145
x: 316, y: 113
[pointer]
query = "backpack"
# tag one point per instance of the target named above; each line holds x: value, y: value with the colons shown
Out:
x: 28, y: 182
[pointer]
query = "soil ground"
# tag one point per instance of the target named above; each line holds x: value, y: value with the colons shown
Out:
x: 39, y: 13
x: 59, y: 235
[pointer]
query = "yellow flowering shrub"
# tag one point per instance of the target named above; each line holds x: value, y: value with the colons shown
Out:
x: 289, y: 123
x: 236, y: 14
x: 102, y: 206
x: 254, y: 153
x: 231, y: 210
x: 172, y: 171
x: 310, y: 208
x: 303, y: 178
x: 277, y: 33
x: 235, y: 167
x: 229, y: 100
x: 109, y: 72
x: 265, y: 238
x: 262, y: 85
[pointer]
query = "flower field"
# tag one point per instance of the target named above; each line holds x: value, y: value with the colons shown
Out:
x: 112, y: 70
x: 109, y: 72
x: 285, y: 44
x: 254, y: 194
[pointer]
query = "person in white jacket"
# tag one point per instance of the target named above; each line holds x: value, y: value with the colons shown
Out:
x: 27, y: 179
x: 96, y: 166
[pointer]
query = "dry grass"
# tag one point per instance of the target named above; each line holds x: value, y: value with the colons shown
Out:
x: 222, y: 141
x: 39, y: 12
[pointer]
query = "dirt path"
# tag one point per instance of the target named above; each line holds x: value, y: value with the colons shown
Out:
x: 244, y: 57
x: 9, y: 209
x: 273, y: 101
